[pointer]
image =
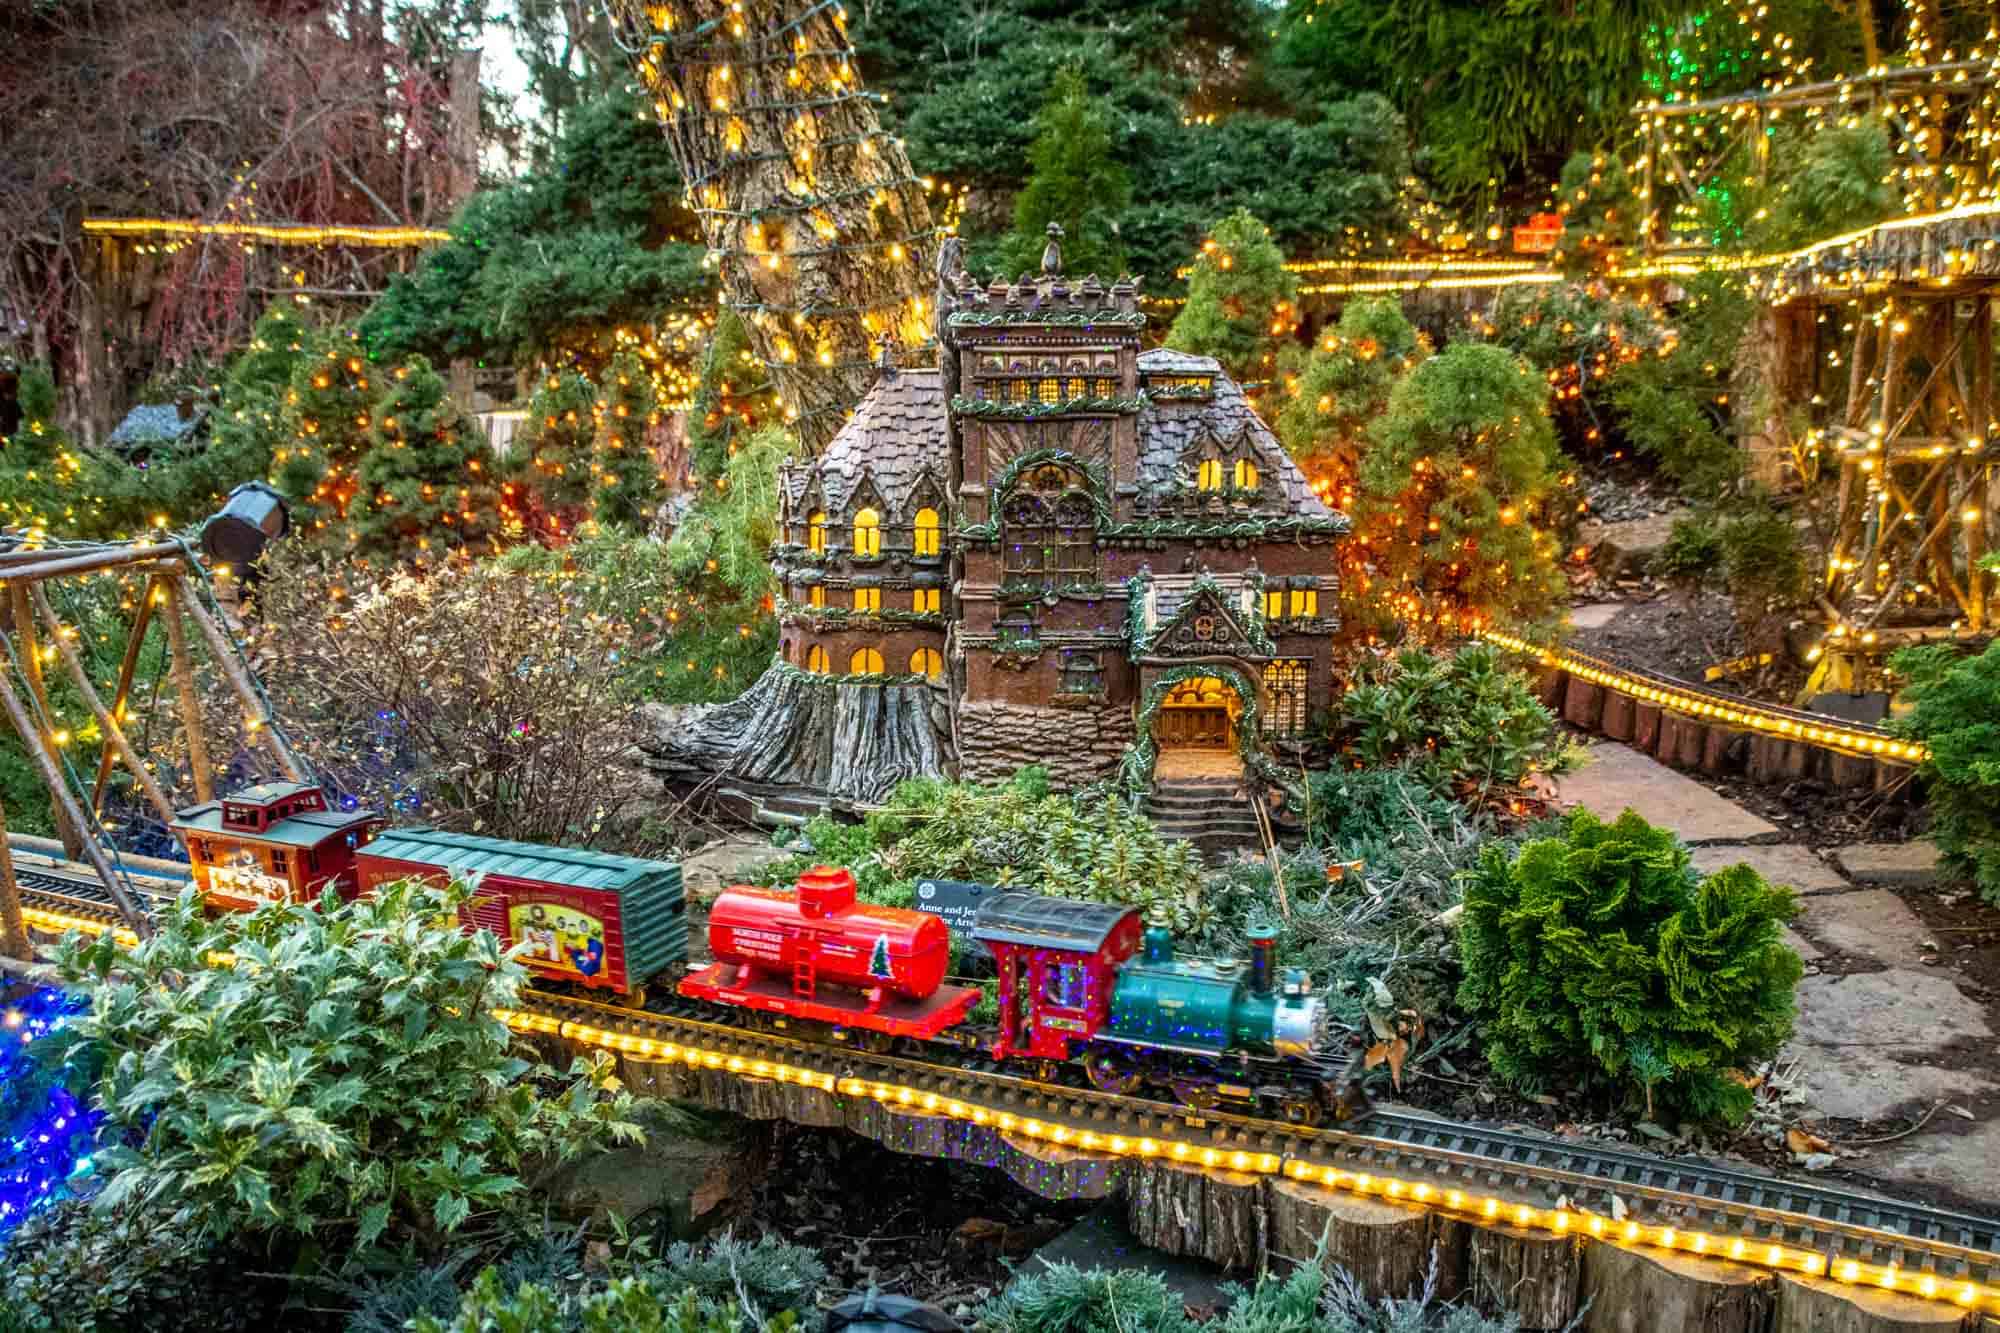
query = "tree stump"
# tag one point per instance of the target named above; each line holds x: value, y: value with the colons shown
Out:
x: 1816, y: 1305
x: 1549, y: 687
x: 1656, y: 1291
x: 1387, y: 1247
x: 1583, y: 703
x: 1851, y: 772
x: 1667, y: 748
x: 1618, y: 719
x: 1049, y: 1169
x: 1693, y: 741
x: 1645, y: 727
x: 1214, y: 1215
x: 1719, y: 752
x: 1533, y: 1274
x: 664, y: 1080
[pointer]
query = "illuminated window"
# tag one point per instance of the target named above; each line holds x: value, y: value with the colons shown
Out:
x: 1305, y: 602
x: 927, y: 662
x: 1208, y: 476
x: 1107, y: 388
x: 1020, y: 390
x: 1274, y: 605
x: 817, y: 596
x: 816, y: 531
x: 1078, y: 387
x: 867, y: 533
x: 867, y: 599
x: 1246, y: 475
x: 1285, y: 689
x: 924, y: 599
x: 927, y: 531
x: 816, y: 661
x: 1050, y: 391
x: 865, y: 662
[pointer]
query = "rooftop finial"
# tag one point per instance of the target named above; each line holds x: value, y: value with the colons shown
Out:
x: 1052, y: 253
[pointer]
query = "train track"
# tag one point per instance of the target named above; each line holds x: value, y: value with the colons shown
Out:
x: 1481, y: 1172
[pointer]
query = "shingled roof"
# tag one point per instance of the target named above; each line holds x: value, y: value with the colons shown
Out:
x: 896, y: 433
x: 1168, y: 428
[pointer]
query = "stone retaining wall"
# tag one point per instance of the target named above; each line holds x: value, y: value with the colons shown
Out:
x: 1077, y: 745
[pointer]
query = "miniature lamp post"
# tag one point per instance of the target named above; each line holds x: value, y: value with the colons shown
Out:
x: 254, y: 516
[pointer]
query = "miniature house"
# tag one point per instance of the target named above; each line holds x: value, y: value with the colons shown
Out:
x: 1051, y: 548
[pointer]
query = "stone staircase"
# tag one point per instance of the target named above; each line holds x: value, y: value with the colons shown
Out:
x: 1208, y: 811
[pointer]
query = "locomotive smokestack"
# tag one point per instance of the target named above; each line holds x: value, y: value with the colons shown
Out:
x: 1159, y: 942
x: 1263, y: 959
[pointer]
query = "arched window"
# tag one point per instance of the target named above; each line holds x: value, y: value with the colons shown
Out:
x: 865, y: 662
x: 1208, y: 476
x: 867, y: 532
x: 816, y: 661
x: 1049, y: 529
x: 816, y: 532
x: 1285, y: 687
x: 927, y: 531
x: 1246, y: 475
x: 927, y: 662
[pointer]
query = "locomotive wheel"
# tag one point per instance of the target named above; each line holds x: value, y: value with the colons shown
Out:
x: 1195, y: 1095
x: 1301, y: 1110
x: 633, y: 998
x: 1111, y: 1072
x: 875, y: 1043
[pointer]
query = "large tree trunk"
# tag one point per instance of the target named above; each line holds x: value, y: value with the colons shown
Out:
x: 820, y: 226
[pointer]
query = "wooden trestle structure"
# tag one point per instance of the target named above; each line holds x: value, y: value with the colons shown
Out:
x: 1890, y: 332
x: 36, y: 637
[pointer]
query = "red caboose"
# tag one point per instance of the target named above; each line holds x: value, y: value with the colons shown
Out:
x: 275, y: 842
x: 816, y: 953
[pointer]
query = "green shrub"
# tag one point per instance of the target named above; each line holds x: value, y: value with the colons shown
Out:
x: 1348, y: 809
x: 74, y: 1266
x: 1955, y: 710
x: 345, y: 1081
x: 623, y: 1305
x: 1764, y: 565
x: 1062, y: 1298
x: 1078, y: 845
x: 1676, y: 406
x: 1693, y: 551
x: 1464, y: 725
x: 1599, y: 958
x: 1239, y: 300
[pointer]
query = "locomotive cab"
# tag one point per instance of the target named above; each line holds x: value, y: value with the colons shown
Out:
x: 275, y: 842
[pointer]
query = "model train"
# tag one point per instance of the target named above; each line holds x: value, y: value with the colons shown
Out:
x: 1077, y: 983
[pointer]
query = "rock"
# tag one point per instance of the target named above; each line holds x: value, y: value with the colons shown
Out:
x: 731, y: 860
x: 1868, y: 1043
x: 1782, y: 863
x: 1911, y: 864
x: 1626, y: 548
x: 692, y: 1171
x: 1595, y: 616
x: 1867, y: 923
x: 1077, y: 745
x: 1618, y: 778
x: 1949, y: 1154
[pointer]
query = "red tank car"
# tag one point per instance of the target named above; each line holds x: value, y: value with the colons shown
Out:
x: 815, y: 953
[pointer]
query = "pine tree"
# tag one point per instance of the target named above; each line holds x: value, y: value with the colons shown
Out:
x: 1334, y: 392
x: 628, y: 479
x: 1076, y: 181
x: 1241, y: 302
x: 1449, y: 500
x: 553, y: 451
x: 425, y: 487
x: 732, y: 395
x: 328, y: 417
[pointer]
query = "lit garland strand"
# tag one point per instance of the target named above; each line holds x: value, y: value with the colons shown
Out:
x: 798, y: 190
x: 47, y: 1132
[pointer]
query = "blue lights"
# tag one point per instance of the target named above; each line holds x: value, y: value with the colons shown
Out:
x: 45, y: 1133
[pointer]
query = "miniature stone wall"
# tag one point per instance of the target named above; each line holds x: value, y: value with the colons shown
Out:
x: 1077, y: 745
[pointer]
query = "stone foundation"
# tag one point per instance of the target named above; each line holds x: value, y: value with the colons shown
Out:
x: 1077, y: 745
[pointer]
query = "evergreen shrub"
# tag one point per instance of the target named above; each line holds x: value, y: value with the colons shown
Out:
x: 1464, y: 725
x: 1955, y: 710
x: 1598, y: 958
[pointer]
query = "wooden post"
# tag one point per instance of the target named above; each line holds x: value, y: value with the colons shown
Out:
x: 183, y: 669
x: 38, y: 749
x: 13, y: 930
x: 70, y: 833
x: 256, y: 716
x: 118, y: 700
x: 114, y: 734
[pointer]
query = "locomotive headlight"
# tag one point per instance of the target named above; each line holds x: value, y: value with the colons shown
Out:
x: 1298, y: 1027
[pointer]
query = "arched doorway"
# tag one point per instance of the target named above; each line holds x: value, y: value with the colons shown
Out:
x: 1199, y: 713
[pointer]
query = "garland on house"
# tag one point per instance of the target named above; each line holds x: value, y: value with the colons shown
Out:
x: 996, y: 409
x: 1135, y: 768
